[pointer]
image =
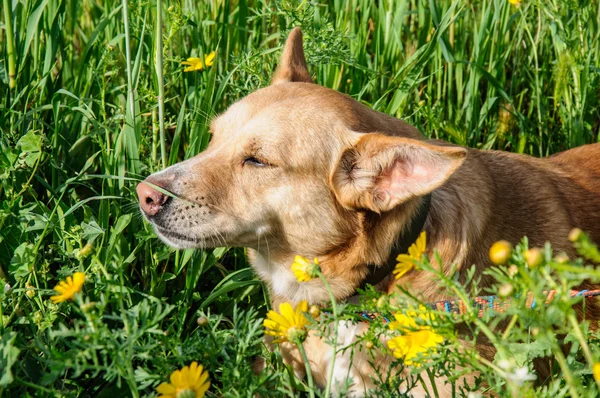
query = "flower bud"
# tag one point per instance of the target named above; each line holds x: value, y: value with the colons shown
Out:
x: 86, y: 307
x: 505, y: 290
x: 500, y: 252
x: 314, y: 311
x: 86, y: 250
x: 561, y: 258
x: 30, y: 290
x: 202, y: 321
x: 534, y: 257
x: 575, y: 234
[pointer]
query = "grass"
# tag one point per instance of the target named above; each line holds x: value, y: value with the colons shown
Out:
x: 93, y: 98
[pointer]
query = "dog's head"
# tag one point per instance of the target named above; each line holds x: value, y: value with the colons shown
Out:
x: 289, y: 167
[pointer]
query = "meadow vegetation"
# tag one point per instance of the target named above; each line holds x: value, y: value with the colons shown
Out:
x: 93, y: 98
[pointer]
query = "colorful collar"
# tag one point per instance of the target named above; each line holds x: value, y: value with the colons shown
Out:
x: 481, y: 304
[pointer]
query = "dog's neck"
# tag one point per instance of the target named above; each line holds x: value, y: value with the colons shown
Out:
x: 406, y: 237
x: 368, y: 257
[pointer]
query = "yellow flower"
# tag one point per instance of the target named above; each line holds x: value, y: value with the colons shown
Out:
x: 190, y: 381
x: 289, y: 324
x: 514, y: 2
x: 415, y: 339
x: 596, y: 371
x: 304, y: 270
x: 195, y: 64
x: 406, y: 262
x: 500, y: 252
x: 66, y: 289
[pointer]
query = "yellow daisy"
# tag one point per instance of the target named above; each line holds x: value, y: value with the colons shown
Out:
x: 415, y: 339
x: 289, y: 324
x: 195, y: 64
x: 412, y: 344
x: 66, y: 289
x: 190, y: 381
x: 305, y: 270
x: 596, y: 371
x: 406, y: 262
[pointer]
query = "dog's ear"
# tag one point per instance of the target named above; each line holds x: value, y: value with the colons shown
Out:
x: 292, y: 66
x: 380, y: 172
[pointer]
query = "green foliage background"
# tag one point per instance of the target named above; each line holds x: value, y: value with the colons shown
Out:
x: 80, y: 125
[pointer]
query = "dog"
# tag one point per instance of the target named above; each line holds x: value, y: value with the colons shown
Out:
x: 296, y: 168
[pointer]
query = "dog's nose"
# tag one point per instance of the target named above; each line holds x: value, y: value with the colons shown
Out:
x: 151, y: 200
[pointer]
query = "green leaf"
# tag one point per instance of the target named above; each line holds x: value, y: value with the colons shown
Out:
x: 30, y: 146
x: 8, y: 356
x: 22, y: 260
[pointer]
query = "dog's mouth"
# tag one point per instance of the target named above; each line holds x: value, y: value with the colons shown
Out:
x: 181, y: 241
x: 176, y: 239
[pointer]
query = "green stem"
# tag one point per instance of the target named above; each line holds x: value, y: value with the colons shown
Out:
x: 160, y: 81
x: 10, y: 45
x: 433, y: 385
x: 154, y: 135
x: 584, y: 346
x: 309, y: 377
x: 128, y: 58
x: 512, y: 323
x: 562, y: 362
x: 335, y: 335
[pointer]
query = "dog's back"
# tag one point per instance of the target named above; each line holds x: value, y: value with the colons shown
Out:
x: 578, y: 180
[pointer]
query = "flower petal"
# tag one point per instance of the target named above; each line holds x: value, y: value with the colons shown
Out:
x: 166, y: 389
x: 208, y: 60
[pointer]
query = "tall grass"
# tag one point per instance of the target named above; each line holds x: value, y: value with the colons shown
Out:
x: 93, y: 98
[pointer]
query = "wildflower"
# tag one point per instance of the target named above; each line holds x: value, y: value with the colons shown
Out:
x: 305, y: 270
x: 596, y: 371
x: 66, y: 289
x: 415, y: 339
x: 195, y: 64
x: 520, y: 376
x: 410, y: 345
x: 190, y: 381
x: 514, y: 2
x: 500, y: 252
x: 289, y: 324
x: 533, y: 257
x: 415, y: 251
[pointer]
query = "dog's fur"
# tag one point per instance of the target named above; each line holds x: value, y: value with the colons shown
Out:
x: 296, y: 168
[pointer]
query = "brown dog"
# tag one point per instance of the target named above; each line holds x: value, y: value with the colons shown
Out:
x: 296, y: 168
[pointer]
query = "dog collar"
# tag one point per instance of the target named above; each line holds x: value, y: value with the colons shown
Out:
x: 481, y: 304
x: 407, y: 237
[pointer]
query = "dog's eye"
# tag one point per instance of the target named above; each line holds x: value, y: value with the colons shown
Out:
x: 252, y: 161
